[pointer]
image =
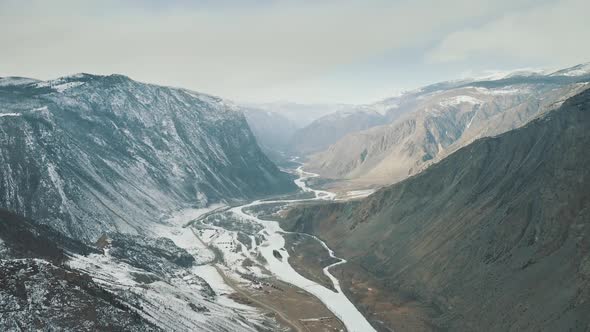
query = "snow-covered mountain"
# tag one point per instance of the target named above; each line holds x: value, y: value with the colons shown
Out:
x: 575, y: 71
x: 88, y: 154
x: 429, y: 123
x: 122, y: 283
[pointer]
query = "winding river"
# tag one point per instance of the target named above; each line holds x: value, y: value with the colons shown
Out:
x: 337, y: 302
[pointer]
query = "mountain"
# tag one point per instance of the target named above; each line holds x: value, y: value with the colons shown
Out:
x: 428, y: 124
x: 579, y: 70
x: 88, y: 154
x: 36, y: 287
x: 328, y: 129
x: 273, y: 131
x: 299, y: 114
x: 494, y: 237
x: 121, y: 283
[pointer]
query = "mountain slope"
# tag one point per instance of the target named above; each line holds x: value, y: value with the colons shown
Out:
x: 89, y: 154
x: 38, y: 290
x: 438, y: 122
x: 328, y: 129
x: 273, y: 131
x: 494, y: 237
x: 124, y: 283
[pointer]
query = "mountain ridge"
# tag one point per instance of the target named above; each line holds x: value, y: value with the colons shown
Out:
x: 121, y: 153
x: 494, y: 235
x: 441, y: 119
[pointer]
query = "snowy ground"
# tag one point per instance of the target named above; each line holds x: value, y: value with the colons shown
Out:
x: 230, y: 240
x: 272, y: 242
x: 186, y: 299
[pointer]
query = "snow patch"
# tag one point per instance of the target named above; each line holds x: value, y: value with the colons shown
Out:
x: 59, y: 85
x: 65, y: 86
x: 2, y: 115
x: 502, y: 91
x: 359, y: 193
x: 457, y: 100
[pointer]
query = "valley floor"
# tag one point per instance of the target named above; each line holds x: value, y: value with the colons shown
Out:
x: 245, y: 259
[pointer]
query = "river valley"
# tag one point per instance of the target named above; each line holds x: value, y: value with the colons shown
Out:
x: 248, y: 254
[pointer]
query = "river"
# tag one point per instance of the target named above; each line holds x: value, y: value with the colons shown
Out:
x: 337, y: 302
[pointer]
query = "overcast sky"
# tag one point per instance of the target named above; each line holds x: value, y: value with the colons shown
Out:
x: 349, y: 51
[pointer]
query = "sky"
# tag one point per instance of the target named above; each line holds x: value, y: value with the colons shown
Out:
x: 307, y: 51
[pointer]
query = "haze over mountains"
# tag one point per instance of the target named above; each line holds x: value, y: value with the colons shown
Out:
x: 134, y: 206
x: 295, y: 166
x: 387, y: 141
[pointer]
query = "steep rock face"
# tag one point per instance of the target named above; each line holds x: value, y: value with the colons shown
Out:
x: 494, y: 237
x: 437, y: 122
x: 89, y: 154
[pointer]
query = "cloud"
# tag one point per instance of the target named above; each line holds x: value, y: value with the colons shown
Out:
x: 554, y: 32
x: 235, y: 51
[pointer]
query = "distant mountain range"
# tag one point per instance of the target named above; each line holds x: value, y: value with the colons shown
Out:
x: 287, y: 129
x: 428, y: 124
x: 494, y: 237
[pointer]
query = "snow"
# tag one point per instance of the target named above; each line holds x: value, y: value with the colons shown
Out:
x: 457, y: 100
x: 215, y: 280
x: 40, y: 109
x: 359, y: 193
x: 383, y: 107
x: 59, y: 185
x: 579, y: 70
x: 184, y: 237
x: 205, y: 233
x: 502, y: 91
x: 65, y: 86
x: 494, y: 75
x: 11, y: 114
x: 60, y: 85
x: 471, y: 120
x: 181, y: 217
x: 169, y: 302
